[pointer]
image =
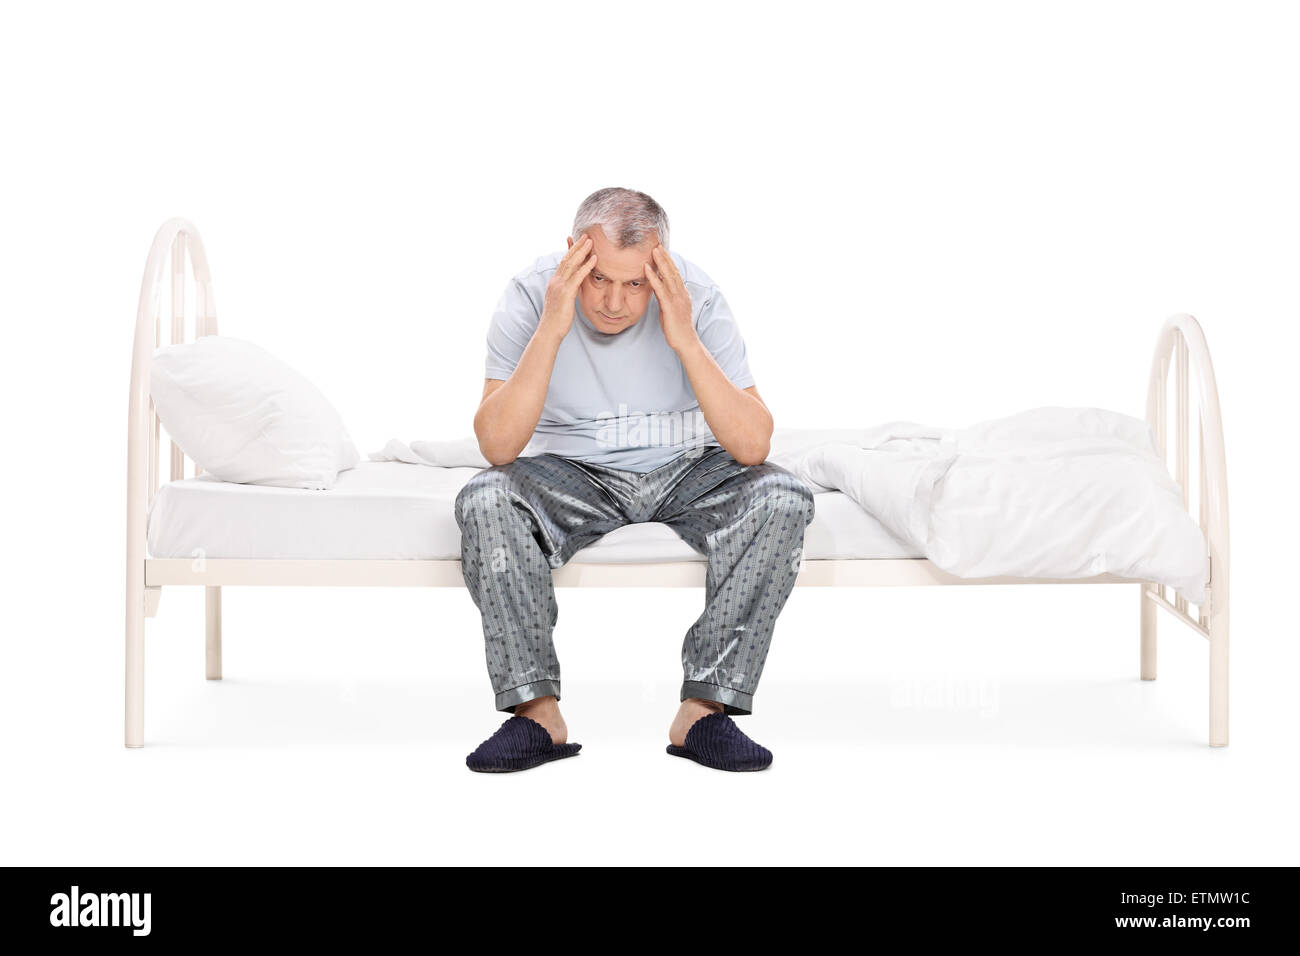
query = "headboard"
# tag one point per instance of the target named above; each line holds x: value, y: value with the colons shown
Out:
x: 175, y: 243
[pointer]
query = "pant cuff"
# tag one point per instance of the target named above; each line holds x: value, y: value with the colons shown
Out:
x: 735, y: 702
x: 508, y: 700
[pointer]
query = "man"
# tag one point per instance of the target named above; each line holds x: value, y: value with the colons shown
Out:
x: 581, y: 344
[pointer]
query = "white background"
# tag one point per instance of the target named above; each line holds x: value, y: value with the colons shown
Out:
x: 933, y: 212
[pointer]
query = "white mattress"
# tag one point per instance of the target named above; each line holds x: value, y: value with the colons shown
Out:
x: 395, y: 510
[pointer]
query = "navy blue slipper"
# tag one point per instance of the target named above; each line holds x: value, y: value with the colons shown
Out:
x: 518, y: 744
x: 715, y: 741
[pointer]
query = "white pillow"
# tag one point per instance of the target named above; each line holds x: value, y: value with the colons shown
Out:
x: 243, y: 415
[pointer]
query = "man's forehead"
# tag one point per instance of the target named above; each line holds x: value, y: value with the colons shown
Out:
x: 626, y: 264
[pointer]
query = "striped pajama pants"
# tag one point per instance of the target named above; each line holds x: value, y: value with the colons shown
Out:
x: 520, y: 520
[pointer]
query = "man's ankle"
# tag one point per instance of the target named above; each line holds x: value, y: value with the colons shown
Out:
x: 535, y: 703
x: 702, y: 702
x: 546, y: 711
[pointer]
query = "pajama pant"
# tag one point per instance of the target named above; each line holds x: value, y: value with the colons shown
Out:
x: 521, y: 519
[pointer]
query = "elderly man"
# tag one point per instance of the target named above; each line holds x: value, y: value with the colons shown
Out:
x: 619, y: 367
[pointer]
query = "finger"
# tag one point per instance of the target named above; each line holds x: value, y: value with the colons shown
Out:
x: 656, y: 268
x: 575, y: 255
x: 577, y: 252
x: 582, y: 271
x: 667, y: 268
x: 656, y: 282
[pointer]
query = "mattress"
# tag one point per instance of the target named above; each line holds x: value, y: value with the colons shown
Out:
x: 396, y: 510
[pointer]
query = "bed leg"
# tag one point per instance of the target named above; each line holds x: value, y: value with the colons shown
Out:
x: 1218, y: 626
x: 213, y: 631
x: 1148, y: 663
x: 135, y: 667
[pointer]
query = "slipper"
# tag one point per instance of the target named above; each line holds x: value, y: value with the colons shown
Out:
x: 715, y: 741
x: 518, y: 744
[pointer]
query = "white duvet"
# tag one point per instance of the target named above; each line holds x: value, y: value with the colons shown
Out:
x: 1050, y: 492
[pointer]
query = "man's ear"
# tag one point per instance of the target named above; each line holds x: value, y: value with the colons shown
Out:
x: 570, y: 242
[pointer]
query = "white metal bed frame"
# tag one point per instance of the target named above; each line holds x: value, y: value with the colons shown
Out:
x: 1181, y: 342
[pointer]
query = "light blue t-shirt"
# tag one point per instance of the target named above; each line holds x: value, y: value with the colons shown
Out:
x: 620, y: 399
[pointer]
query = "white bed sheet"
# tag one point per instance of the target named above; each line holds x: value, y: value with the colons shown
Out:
x: 396, y: 510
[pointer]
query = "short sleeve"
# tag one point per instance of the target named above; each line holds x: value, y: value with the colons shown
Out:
x: 511, y: 329
x: 720, y: 334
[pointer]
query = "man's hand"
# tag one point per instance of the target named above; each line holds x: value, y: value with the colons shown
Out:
x: 674, y: 300
x: 557, y: 311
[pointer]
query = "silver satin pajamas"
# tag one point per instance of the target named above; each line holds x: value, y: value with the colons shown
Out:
x: 520, y: 520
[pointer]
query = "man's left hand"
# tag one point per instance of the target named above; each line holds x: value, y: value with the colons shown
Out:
x: 674, y: 300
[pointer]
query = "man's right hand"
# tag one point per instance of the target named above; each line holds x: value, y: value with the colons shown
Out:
x: 557, y: 312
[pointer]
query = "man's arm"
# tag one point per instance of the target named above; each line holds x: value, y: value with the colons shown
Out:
x: 509, y: 410
x: 738, y: 418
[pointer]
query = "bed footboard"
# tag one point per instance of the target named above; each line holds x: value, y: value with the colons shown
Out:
x: 1182, y: 345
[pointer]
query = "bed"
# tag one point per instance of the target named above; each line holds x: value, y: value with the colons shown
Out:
x: 388, y: 523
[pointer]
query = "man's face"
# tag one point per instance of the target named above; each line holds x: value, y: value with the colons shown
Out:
x: 615, y: 294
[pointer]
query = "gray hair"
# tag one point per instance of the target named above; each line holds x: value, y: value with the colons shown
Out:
x: 627, y: 217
